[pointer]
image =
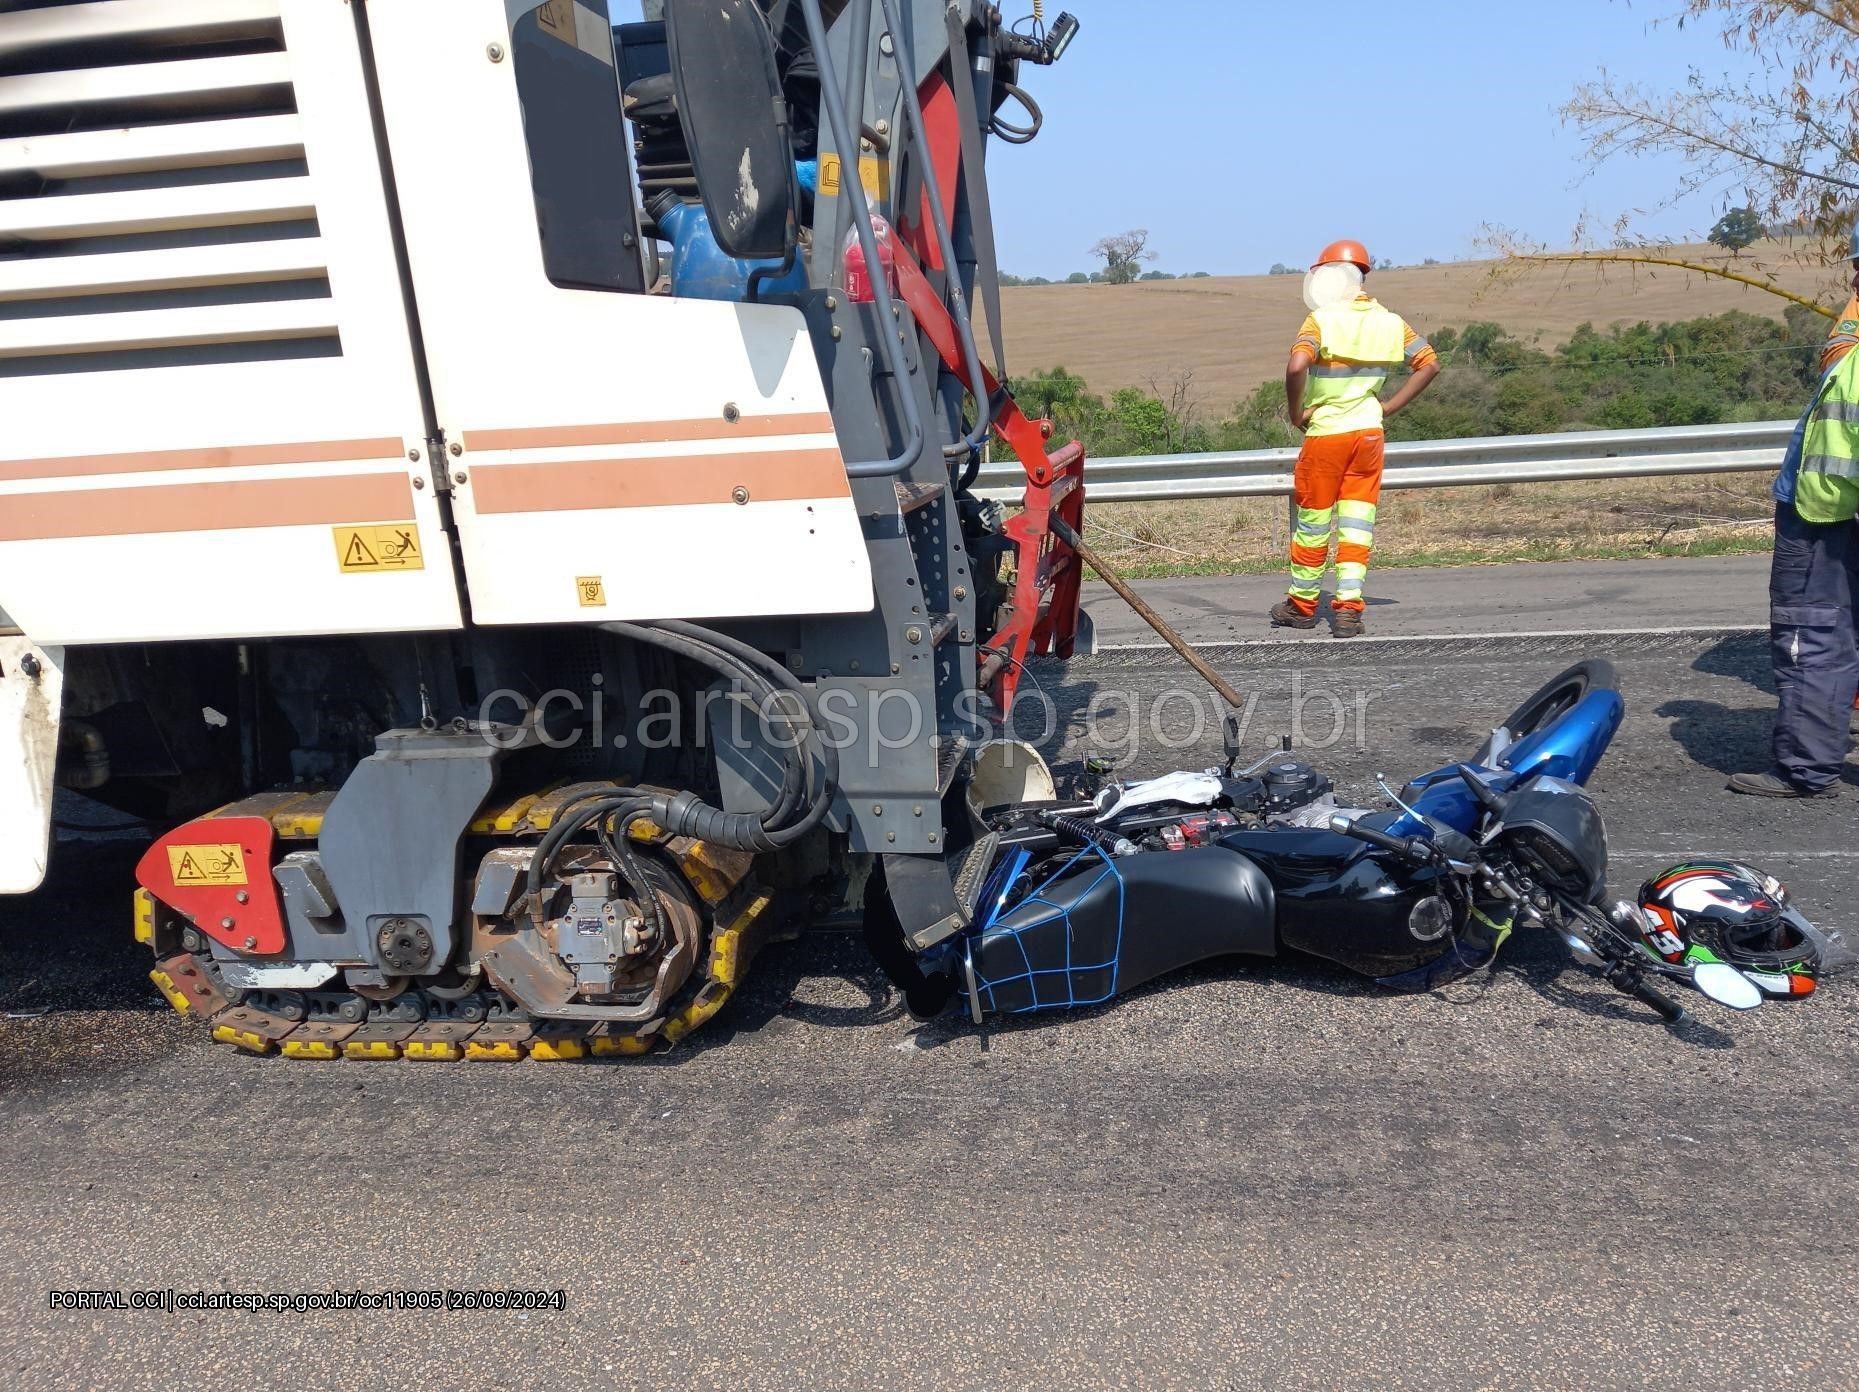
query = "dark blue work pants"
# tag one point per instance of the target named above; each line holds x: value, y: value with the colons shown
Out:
x: 1812, y: 586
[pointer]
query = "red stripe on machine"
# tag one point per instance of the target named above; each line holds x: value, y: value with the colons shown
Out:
x: 211, y: 457
x: 206, y: 507
x: 649, y: 432
x: 671, y: 481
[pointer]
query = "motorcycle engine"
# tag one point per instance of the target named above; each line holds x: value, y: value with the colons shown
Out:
x: 1280, y: 789
x: 1291, y: 784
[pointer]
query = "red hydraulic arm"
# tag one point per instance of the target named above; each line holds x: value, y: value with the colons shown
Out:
x: 1044, y: 613
x: 1048, y: 576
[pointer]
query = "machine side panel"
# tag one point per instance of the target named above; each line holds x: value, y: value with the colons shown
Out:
x: 613, y: 455
x: 214, y: 425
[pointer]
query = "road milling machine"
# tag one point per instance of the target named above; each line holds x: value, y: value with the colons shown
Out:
x: 490, y: 487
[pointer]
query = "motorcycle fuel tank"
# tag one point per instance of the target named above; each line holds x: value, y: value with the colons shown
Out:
x: 1338, y: 902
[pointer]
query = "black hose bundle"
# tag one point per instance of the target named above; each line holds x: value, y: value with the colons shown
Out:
x: 809, y: 776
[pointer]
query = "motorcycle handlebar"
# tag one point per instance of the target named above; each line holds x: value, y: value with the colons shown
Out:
x: 1633, y: 983
x: 1408, y: 847
x: 1659, y: 1001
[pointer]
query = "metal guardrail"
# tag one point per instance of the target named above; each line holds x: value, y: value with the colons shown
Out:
x: 1589, y: 454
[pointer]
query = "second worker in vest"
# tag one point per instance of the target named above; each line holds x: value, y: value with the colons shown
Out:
x: 1814, y: 579
x: 1339, y: 363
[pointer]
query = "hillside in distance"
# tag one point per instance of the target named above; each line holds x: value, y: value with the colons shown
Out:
x: 1234, y: 332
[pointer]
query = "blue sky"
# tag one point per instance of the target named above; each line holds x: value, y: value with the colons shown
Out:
x: 1243, y: 133
x: 1215, y: 126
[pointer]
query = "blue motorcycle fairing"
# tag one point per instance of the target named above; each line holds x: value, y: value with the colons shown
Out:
x: 1572, y: 746
x: 1570, y: 749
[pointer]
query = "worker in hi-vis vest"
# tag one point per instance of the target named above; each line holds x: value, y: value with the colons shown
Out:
x: 1339, y: 363
x: 1814, y: 579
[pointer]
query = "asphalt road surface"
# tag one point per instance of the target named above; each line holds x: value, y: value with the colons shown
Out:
x: 1412, y: 601
x: 1253, y: 1175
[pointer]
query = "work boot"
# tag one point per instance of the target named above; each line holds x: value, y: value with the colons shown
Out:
x: 1773, y: 785
x: 1347, y: 623
x: 1285, y: 614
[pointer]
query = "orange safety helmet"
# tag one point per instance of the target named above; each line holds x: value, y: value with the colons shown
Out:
x: 1346, y: 252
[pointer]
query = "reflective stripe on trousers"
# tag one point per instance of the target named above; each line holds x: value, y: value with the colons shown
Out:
x: 1355, y: 542
x: 1338, y: 486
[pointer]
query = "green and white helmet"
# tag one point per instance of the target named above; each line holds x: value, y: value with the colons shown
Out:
x: 1724, y: 911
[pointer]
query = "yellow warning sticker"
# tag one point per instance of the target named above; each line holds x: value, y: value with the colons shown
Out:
x: 370, y: 550
x: 871, y: 172
x: 591, y: 590
x: 206, y: 865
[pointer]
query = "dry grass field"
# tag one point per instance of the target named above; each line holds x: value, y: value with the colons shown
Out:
x: 1233, y: 333
x: 1613, y: 519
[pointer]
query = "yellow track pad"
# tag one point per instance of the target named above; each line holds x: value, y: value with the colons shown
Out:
x: 242, y: 1039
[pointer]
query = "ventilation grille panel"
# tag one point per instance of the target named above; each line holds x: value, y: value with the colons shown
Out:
x: 155, y: 202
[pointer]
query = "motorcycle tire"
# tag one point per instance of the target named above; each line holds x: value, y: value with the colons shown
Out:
x: 1555, y: 699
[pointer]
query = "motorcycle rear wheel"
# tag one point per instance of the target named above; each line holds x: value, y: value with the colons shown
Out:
x: 1555, y: 699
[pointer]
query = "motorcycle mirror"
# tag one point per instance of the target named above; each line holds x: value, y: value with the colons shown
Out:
x: 1230, y: 734
x: 1726, y: 985
x: 1485, y: 798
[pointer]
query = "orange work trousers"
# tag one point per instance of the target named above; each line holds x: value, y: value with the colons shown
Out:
x: 1338, y: 488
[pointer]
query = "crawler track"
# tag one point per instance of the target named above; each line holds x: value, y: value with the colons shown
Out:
x: 435, y: 1024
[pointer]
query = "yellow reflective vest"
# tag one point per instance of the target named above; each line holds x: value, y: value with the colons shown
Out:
x: 1360, y: 344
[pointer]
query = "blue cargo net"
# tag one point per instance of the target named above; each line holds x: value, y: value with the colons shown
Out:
x: 1069, y: 986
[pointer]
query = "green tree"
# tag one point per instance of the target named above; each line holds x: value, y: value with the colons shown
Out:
x: 1736, y: 229
x: 1124, y: 255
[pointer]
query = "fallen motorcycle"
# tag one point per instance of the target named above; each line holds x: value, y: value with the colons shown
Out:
x: 1086, y: 901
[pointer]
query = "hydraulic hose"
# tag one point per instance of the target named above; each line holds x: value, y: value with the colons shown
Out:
x: 685, y: 813
x: 802, y: 804
x: 774, y: 671
x: 705, y: 653
x: 932, y: 190
x: 1018, y: 135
